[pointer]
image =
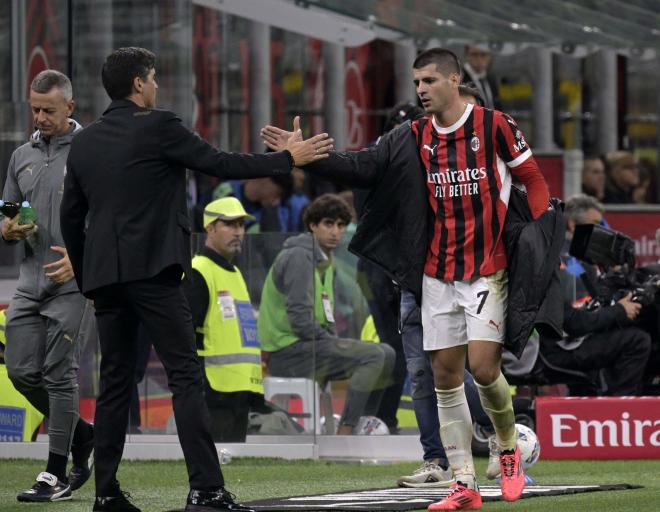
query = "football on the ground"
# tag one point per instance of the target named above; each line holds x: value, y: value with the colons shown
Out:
x: 371, y: 426
x: 530, y: 448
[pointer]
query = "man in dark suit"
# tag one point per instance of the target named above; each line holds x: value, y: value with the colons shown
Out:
x: 126, y: 177
x: 476, y: 70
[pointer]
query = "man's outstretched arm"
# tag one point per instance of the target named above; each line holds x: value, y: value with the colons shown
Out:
x: 352, y: 168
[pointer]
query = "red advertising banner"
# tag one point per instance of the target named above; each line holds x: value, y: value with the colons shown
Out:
x: 641, y: 227
x: 552, y: 168
x: 598, y: 427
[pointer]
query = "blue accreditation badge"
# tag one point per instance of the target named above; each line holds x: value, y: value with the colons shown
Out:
x: 248, y: 324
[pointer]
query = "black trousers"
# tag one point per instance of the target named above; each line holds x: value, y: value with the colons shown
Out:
x: 384, y: 303
x: 230, y: 413
x: 159, y: 304
x: 622, y: 353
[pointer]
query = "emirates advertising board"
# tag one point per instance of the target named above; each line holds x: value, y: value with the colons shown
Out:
x: 598, y: 427
x: 641, y: 227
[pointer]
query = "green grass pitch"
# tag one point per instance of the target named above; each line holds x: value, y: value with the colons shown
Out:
x: 161, y: 486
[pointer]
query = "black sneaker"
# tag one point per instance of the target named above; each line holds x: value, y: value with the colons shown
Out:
x: 118, y: 503
x: 209, y: 501
x: 47, y: 488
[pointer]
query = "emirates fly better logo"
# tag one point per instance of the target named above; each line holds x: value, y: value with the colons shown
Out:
x: 456, y: 182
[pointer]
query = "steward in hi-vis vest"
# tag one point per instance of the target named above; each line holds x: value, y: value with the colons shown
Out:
x: 19, y: 420
x: 225, y: 324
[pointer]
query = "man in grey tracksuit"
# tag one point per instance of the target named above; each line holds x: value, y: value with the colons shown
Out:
x: 296, y: 320
x: 47, y: 315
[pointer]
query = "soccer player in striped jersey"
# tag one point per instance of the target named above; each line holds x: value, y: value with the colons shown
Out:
x: 468, y: 156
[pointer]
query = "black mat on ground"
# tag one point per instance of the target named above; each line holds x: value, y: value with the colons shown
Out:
x: 410, y: 499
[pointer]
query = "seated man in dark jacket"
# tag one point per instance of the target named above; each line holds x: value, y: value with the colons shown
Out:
x: 600, y: 339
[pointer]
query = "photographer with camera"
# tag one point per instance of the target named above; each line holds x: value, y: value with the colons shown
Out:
x: 598, y: 338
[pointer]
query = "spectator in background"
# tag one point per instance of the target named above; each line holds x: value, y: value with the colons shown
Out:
x: 226, y: 333
x: 296, y: 317
x: 644, y: 192
x: 622, y: 177
x: 602, y: 339
x: 268, y: 201
x: 476, y: 70
x: 593, y: 176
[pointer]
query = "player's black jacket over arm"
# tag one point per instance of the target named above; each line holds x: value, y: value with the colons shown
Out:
x: 533, y: 253
x: 393, y: 231
x: 126, y: 174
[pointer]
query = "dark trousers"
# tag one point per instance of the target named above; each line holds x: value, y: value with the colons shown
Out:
x: 383, y: 299
x: 159, y: 304
x: 621, y: 353
x: 230, y: 413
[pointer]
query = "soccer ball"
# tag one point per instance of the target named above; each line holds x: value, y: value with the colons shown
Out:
x: 371, y: 426
x: 530, y: 448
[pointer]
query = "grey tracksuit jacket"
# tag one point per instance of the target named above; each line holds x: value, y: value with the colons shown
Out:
x: 36, y: 174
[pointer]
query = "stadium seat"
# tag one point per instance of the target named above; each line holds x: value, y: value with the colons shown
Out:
x: 311, y: 396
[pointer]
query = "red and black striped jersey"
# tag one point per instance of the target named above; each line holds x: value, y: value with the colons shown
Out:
x: 469, y: 183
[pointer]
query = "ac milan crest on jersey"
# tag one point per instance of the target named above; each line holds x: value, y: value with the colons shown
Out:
x: 475, y: 144
x: 468, y: 185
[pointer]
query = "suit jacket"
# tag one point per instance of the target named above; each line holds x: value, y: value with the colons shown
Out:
x: 126, y: 174
x: 486, y: 87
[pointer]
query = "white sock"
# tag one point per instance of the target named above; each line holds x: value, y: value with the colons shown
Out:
x: 496, y: 400
x: 456, y: 433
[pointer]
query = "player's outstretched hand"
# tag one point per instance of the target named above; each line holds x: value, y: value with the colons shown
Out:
x: 306, y: 151
x: 279, y: 139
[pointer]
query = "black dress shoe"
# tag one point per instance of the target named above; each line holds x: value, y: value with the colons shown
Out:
x: 82, y: 453
x: 78, y: 476
x: 210, y: 501
x: 114, y: 504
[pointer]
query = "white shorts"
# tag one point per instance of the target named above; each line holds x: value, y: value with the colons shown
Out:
x: 455, y: 312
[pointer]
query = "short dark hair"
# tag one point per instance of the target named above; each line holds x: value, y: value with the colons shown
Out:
x: 327, y: 206
x: 122, y: 66
x: 469, y: 89
x: 445, y: 61
x: 594, y: 156
x: 50, y: 79
x: 402, y: 112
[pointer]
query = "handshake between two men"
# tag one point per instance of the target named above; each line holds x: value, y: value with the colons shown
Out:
x: 302, y: 152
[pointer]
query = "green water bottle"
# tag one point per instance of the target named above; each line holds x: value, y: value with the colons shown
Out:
x: 27, y: 215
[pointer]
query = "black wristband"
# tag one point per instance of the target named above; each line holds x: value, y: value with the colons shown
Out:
x: 292, y: 162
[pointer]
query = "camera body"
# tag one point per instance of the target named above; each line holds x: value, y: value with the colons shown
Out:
x: 614, y: 252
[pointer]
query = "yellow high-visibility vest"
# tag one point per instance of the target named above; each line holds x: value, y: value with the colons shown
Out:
x: 18, y: 418
x: 232, y: 353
